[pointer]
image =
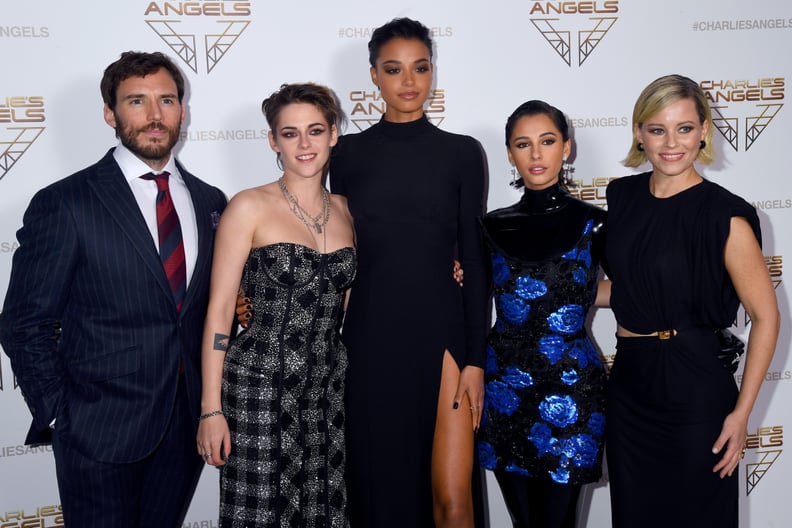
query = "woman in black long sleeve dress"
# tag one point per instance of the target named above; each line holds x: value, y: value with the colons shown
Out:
x: 415, y: 338
x: 543, y: 426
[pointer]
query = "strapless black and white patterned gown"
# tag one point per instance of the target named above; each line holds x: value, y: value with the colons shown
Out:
x: 283, y: 392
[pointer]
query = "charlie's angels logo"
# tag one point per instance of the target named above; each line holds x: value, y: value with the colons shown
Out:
x: 222, y: 23
x: 18, y: 117
x: 41, y: 517
x: 591, y: 21
x: 764, y: 446
x: 591, y: 190
x: 369, y: 106
x: 762, y: 99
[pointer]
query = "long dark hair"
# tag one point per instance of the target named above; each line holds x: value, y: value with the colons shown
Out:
x: 532, y: 108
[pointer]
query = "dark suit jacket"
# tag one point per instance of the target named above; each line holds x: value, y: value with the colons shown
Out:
x: 89, y: 321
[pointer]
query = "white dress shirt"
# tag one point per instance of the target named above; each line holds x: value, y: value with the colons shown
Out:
x: 145, y: 192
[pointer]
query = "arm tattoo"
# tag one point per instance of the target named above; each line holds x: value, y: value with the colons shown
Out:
x: 221, y: 342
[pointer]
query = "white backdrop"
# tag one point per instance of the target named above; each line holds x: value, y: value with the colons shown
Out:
x: 589, y: 58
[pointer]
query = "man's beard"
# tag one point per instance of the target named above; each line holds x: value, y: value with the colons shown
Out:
x: 150, y: 151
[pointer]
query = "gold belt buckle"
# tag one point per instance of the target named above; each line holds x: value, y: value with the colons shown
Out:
x: 666, y: 334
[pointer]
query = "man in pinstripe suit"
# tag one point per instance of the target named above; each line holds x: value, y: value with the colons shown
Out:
x: 105, y: 352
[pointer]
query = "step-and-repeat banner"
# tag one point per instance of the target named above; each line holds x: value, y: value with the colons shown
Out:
x: 589, y: 58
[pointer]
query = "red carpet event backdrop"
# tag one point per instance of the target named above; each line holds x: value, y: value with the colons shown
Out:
x: 589, y: 58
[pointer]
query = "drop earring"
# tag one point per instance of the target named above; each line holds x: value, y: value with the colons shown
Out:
x: 516, y: 181
x: 565, y: 176
x: 702, y: 144
x: 639, y: 147
x: 278, y: 160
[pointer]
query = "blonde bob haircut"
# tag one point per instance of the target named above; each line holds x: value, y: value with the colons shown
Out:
x: 661, y: 93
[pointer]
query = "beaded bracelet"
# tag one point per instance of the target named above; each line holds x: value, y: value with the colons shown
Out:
x: 209, y: 415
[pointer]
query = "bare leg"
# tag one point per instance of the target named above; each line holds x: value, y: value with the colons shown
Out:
x: 452, y: 454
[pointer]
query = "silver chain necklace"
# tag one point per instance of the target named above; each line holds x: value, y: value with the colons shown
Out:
x: 304, y: 215
x: 301, y: 214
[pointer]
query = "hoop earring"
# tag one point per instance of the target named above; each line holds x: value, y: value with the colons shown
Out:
x: 278, y: 161
x: 702, y: 144
x: 639, y: 147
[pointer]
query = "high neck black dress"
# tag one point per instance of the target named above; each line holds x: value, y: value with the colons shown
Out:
x: 415, y: 193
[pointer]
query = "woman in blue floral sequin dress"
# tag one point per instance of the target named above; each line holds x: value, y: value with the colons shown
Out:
x: 544, y: 422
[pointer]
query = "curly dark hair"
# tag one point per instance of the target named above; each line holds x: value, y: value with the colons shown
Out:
x: 404, y: 28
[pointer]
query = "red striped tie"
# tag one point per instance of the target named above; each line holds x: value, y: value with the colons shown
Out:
x: 171, y: 245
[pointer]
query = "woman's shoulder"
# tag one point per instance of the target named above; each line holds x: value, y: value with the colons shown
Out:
x: 250, y: 201
x: 456, y: 138
x: 627, y: 189
x: 351, y: 146
x: 347, y: 141
x: 629, y: 182
x: 466, y: 151
x: 344, y: 142
x: 339, y: 200
x: 596, y: 213
x: 717, y: 196
x: 715, y: 189
x: 503, y: 212
x: 720, y: 201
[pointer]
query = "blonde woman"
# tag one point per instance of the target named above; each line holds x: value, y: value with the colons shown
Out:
x: 683, y: 253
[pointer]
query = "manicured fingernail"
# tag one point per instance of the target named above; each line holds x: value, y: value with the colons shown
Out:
x: 456, y: 405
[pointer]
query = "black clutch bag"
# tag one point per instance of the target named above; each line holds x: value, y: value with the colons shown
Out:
x: 731, y: 348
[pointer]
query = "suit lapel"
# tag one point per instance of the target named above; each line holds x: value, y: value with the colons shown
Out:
x: 204, y: 224
x: 112, y: 190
